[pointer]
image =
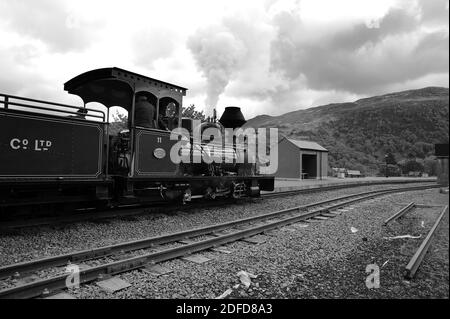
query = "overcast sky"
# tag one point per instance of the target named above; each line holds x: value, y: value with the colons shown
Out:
x: 266, y: 56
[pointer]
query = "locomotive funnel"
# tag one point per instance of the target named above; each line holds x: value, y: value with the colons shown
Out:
x: 232, y: 117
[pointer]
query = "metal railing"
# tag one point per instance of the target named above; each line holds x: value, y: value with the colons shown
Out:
x: 17, y: 103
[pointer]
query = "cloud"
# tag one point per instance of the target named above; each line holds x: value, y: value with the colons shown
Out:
x: 19, y: 77
x: 152, y: 44
x: 270, y: 56
x: 277, y: 61
x: 434, y: 11
x: 15, y: 66
x: 49, y: 21
x: 395, y: 22
x: 360, y: 59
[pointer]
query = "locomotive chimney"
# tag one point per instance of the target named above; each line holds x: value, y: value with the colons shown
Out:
x: 232, y: 117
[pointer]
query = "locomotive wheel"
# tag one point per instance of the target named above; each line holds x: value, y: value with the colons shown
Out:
x: 210, y: 193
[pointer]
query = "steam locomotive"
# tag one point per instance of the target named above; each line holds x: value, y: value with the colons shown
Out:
x: 59, y: 154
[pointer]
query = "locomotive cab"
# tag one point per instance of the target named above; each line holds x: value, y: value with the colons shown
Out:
x: 154, y: 108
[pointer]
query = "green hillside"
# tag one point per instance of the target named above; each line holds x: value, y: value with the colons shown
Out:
x: 359, y: 134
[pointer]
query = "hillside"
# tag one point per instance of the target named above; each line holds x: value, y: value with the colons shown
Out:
x: 359, y: 134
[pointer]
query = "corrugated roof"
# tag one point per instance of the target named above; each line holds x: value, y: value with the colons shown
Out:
x: 307, y: 145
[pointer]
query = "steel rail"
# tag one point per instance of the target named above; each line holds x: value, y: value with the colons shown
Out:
x: 60, y: 260
x: 416, y: 260
x: 35, y: 289
x: 339, y: 186
x: 137, y: 210
x: 400, y: 213
x: 95, y: 214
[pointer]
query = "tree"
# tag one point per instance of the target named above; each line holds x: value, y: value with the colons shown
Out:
x: 192, y: 113
x: 412, y: 166
x: 120, y: 118
x: 390, y: 159
x: 119, y: 123
x: 430, y: 166
x: 392, y: 170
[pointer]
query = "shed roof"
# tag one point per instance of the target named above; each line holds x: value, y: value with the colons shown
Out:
x: 307, y: 145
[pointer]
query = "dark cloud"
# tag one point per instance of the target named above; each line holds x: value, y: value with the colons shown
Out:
x: 434, y: 11
x: 360, y: 59
x: 395, y: 22
x: 49, y: 21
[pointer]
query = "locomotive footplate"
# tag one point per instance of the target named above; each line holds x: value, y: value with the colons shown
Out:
x: 266, y: 183
x: 172, y: 188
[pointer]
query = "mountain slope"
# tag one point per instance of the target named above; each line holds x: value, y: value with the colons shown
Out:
x: 359, y: 134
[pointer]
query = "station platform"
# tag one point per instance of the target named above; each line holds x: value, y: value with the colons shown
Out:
x: 287, y: 184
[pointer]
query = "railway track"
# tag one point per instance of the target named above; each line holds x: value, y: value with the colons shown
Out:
x: 136, y: 210
x: 152, y: 250
x: 86, y: 215
x: 333, y: 187
x: 415, y: 262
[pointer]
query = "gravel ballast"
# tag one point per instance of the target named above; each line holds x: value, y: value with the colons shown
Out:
x: 326, y: 259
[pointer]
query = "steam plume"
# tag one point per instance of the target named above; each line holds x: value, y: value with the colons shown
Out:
x: 218, y: 54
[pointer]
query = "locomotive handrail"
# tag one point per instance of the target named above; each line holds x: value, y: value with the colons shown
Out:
x: 55, y: 110
x: 7, y: 103
x: 224, y: 147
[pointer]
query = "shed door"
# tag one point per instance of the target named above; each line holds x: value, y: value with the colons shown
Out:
x: 309, y: 165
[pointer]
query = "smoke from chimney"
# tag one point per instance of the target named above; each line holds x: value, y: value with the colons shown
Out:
x: 219, y: 55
